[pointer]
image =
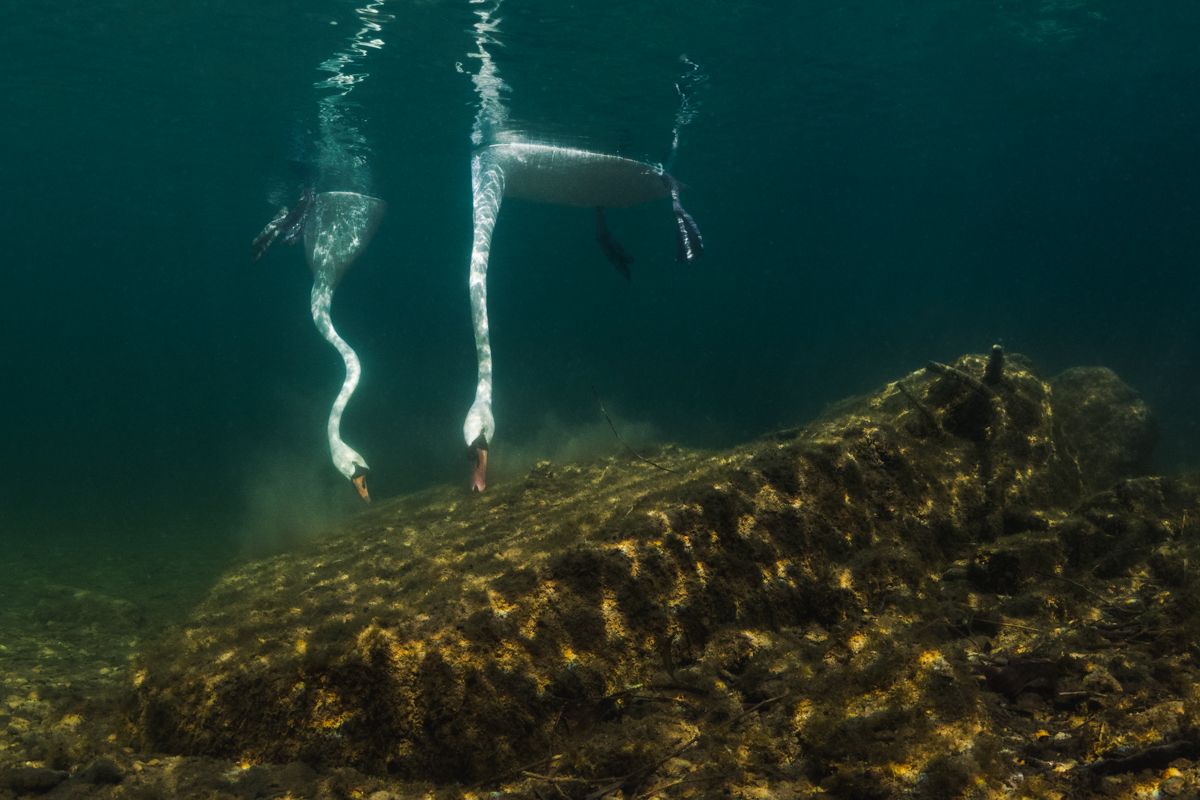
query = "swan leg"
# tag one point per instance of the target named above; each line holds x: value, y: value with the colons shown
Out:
x: 487, y: 183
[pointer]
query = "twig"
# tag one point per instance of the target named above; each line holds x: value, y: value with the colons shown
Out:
x: 1002, y: 623
x: 918, y: 405
x: 1103, y: 600
x: 1018, y: 625
x: 1153, y: 757
x: 513, y: 773
x: 955, y: 372
x: 673, y: 784
x: 552, y: 778
x: 625, y: 444
x: 649, y: 768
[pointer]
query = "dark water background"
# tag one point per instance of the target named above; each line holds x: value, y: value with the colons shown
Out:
x: 879, y: 183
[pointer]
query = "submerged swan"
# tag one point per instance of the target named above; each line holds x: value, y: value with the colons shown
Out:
x: 336, y: 227
x: 565, y: 176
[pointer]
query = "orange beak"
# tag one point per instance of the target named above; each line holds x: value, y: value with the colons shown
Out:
x: 360, y: 483
x: 479, y: 475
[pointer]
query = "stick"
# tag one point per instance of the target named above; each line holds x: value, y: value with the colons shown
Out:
x: 1153, y: 757
x: 917, y: 404
x: 1103, y: 600
x: 682, y: 782
x: 625, y: 444
x: 970, y: 380
x: 513, y: 773
x: 648, y: 770
x: 995, y: 366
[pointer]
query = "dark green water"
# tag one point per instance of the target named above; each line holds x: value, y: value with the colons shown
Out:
x: 878, y: 183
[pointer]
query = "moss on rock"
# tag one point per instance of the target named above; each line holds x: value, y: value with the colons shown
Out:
x: 859, y: 608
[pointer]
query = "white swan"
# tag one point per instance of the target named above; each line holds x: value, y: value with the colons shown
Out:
x: 339, y: 227
x: 565, y: 176
x: 336, y: 227
x: 506, y: 165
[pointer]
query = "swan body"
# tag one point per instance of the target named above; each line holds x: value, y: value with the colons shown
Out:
x: 569, y: 176
x: 506, y: 164
x: 337, y: 229
x: 564, y: 176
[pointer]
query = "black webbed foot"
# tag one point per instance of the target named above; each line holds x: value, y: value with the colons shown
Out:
x: 287, y: 225
x: 266, y: 237
x: 292, y: 228
x: 689, y: 244
x: 613, y: 251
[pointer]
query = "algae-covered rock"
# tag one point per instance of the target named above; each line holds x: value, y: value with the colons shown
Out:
x: 844, y: 609
x: 31, y: 780
x: 1105, y: 424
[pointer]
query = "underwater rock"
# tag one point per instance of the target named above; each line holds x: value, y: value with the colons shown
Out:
x: 71, y: 608
x: 1105, y: 423
x: 31, y: 780
x: 851, y: 608
x: 101, y: 771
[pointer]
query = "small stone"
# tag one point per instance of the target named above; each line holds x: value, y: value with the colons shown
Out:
x: 298, y: 773
x: 1060, y: 742
x: 1113, y: 785
x: 256, y: 781
x: 101, y: 771
x: 31, y: 779
x: 1172, y: 787
x: 1101, y: 681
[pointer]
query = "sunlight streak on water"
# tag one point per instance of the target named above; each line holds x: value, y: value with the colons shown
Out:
x: 492, y: 114
x: 344, y: 150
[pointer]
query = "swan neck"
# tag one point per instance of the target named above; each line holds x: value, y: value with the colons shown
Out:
x: 487, y: 182
x: 344, y: 457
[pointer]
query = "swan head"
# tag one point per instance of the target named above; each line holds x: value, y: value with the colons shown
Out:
x: 478, y: 430
x: 359, y: 479
x: 354, y: 467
